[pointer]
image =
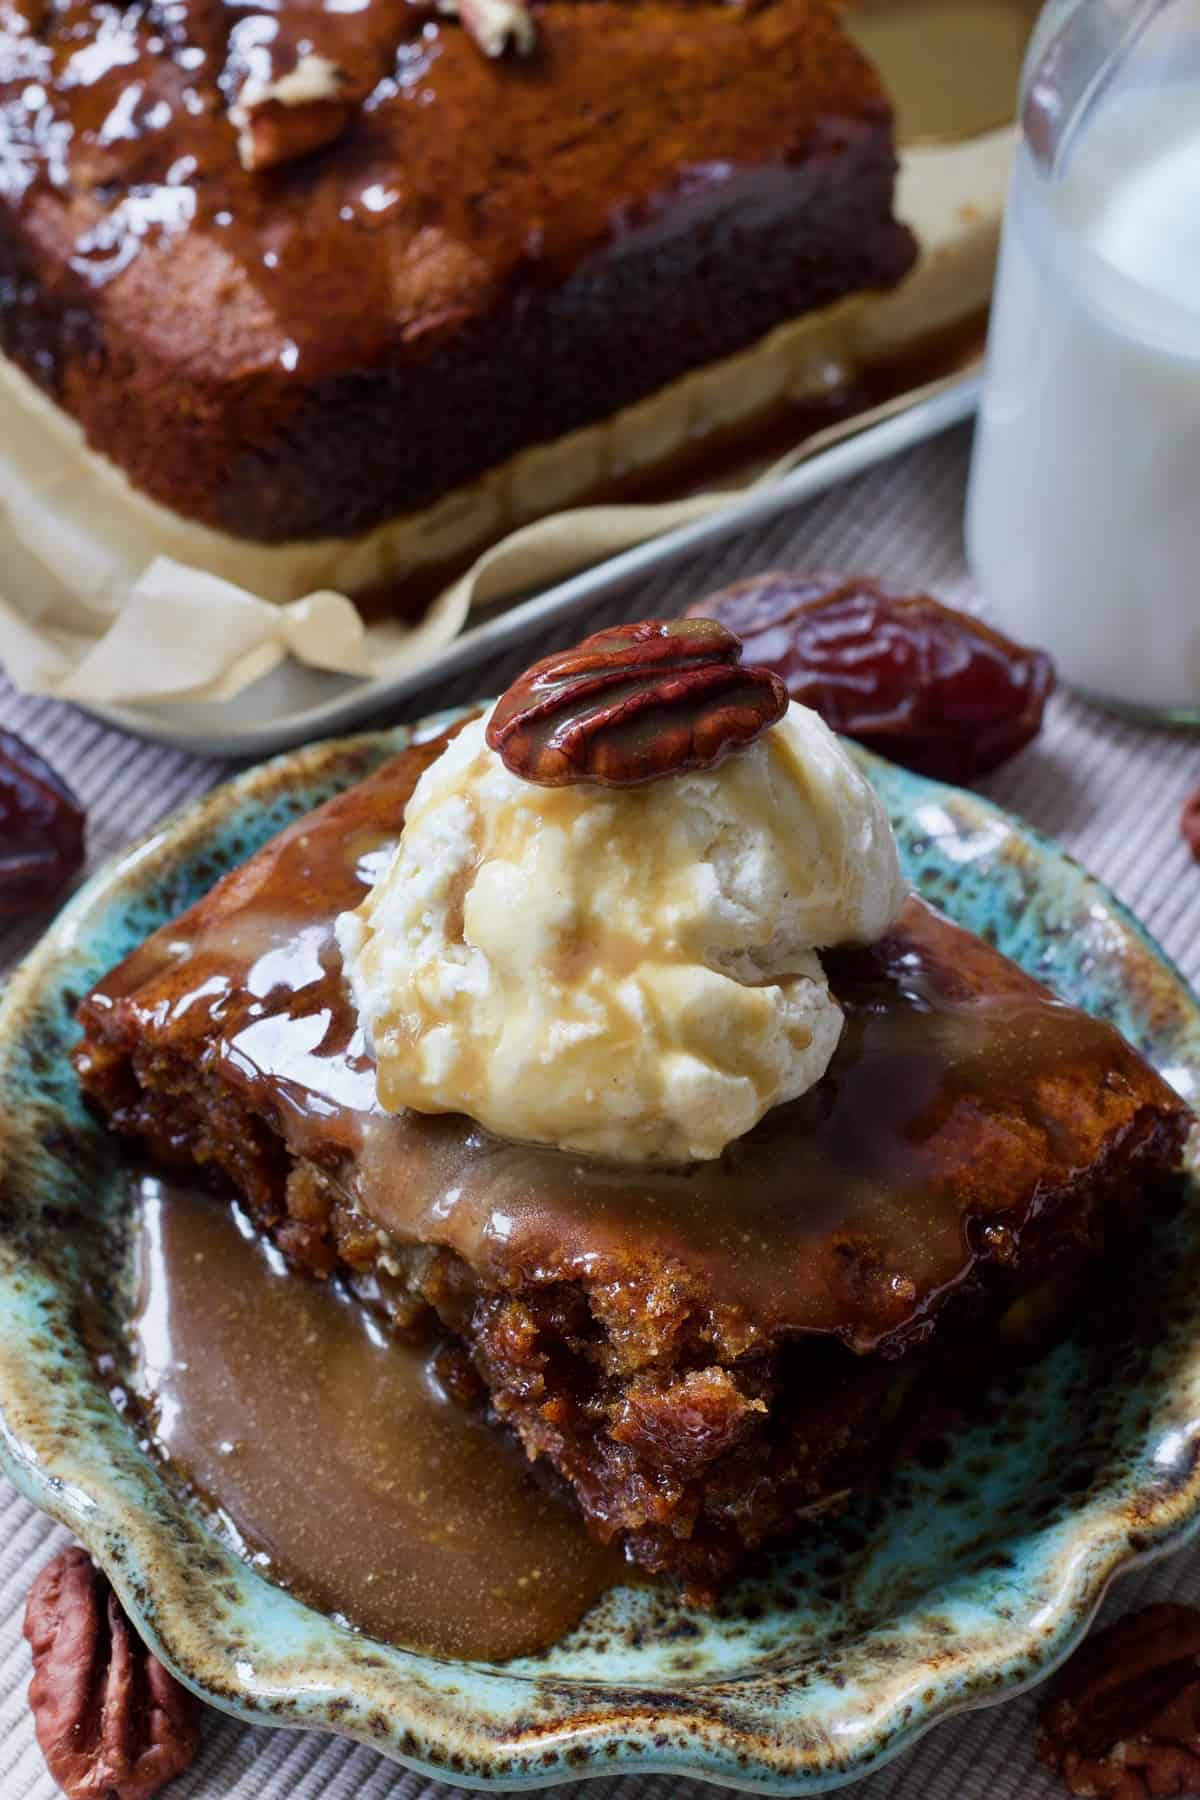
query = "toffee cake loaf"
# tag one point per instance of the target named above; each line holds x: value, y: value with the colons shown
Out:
x: 437, y: 258
x: 709, y: 1355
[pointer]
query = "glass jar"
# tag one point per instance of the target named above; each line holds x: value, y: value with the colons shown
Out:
x: 1083, y: 517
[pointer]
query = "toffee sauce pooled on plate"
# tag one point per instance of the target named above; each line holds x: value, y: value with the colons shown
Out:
x: 348, y: 1473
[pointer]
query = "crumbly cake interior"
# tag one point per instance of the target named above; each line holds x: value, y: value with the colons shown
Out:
x: 711, y: 1357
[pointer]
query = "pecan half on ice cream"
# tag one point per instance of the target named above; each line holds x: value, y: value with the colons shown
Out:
x: 633, y: 704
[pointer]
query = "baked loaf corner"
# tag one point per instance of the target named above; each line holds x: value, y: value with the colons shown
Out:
x: 442, y: 258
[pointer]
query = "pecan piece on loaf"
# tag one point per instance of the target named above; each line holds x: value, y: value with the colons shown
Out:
x: 283, y: 114
x: 272, y: 134
x: 110, y: 1720
x: 289, y: 98
x: 1123, y: 1717
x: 495, y: 25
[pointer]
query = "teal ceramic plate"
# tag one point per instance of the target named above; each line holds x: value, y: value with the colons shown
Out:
x: 951, y: 1587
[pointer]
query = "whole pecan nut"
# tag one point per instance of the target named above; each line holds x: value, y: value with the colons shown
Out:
x: 1123, y: 1718
x: 110, y: 1720
x: 930, y: 687
x: 633, y: 704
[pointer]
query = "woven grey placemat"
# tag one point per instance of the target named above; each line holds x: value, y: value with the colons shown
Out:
x: 1110, y: 792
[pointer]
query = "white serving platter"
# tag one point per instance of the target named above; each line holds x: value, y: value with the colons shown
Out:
x: 295, y: 703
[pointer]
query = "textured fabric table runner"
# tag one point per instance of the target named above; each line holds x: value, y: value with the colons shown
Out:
x: 1110, y: 792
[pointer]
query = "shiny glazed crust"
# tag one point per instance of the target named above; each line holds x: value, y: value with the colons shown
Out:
x: 490, y: 256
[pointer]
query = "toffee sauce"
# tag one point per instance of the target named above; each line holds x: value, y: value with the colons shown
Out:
x: 343, y: 1468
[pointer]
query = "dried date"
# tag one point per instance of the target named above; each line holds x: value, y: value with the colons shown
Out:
x: 41, y: 829
x: 111, y: 1722
x: 917, y: 681
x: 1123, y: 1718
x: 1189, y: 823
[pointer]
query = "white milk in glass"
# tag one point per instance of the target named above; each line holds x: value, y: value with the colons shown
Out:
x: 1083, y: 521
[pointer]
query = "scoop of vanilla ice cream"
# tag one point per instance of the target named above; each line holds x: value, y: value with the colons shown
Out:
x: 628, y: 973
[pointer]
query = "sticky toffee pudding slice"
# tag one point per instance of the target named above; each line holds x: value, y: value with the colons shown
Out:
x: 709, y: 1356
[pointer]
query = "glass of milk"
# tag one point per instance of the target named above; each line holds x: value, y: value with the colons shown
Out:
x: 1083, y: 519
